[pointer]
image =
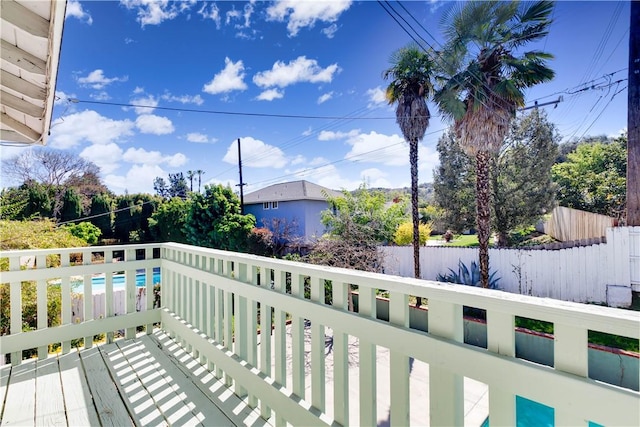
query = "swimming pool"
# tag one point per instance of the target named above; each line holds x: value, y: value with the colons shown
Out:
x: 530, y: 413
x: 98, y: 282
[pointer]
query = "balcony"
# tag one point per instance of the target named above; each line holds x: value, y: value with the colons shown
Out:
x: 334, y: 353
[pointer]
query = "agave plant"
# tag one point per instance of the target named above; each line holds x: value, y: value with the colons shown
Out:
x: 468, y: 276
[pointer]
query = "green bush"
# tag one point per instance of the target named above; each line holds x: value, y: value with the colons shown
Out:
x: 404, y: 233
x: 85, y: 231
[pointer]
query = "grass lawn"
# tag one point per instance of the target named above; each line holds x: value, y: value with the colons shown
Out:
x: 463, y: 240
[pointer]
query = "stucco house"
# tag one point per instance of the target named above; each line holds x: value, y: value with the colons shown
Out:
x: 291, y: 209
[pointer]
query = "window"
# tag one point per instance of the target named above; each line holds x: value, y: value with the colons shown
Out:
x: 274, y: 205
x: 265, y: 205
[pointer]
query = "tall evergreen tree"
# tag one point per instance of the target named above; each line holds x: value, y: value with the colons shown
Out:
x: 101, y: 215
x: 71, y: 206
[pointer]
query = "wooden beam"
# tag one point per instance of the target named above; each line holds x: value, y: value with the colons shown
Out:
x: 633, y: 119
x: 20, y: 85
x: 21, y: 105
x: 19, y: 127
x: 8, y: 135
x: 22, y: 59
x: 24, y: 19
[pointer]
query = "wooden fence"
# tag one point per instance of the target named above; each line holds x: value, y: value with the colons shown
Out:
x: 568, y: 224
x: 99, y: 304
x: 581, y: 274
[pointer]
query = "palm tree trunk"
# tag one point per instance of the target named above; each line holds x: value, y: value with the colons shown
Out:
x: 413, y: 159
x: 483, y: 213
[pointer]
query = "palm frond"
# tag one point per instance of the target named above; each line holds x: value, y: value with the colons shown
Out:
x: 539, y: 11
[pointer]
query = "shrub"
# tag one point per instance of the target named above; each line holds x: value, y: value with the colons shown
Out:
x: 85, y: 231
x: 404, y: 233
x: 468, y: 276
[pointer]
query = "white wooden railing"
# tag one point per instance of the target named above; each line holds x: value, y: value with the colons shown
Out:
x: 213, y: 301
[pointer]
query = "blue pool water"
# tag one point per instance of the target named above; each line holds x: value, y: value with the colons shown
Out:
x: 97, y: 282
x: 533, y: 414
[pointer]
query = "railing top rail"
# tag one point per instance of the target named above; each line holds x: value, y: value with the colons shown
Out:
x: 605, y: 319
x: 35, y: 252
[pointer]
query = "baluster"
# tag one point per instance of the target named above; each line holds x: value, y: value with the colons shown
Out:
x: 317, y: 349
x: 446, y: 388
x: 340, y: 359
x: 280, y: 331
x: 149, y: 288
x: 108, y: 292
x: 501, y: 340
x: 65, y: 289
x: 297, y: 345
x: 241, y: 326
x: 252, y: 330
x: 41, y: 292
x: 399, y: 363
x: 571, y: 356
x: 88, y: 298
x: 265, y: 337
x: 367, y: 356
x: 130, y: 291
x: 15, y: 295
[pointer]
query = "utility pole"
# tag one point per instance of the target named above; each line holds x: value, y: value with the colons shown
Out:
x: 242, y: 184
x: 633, y: 119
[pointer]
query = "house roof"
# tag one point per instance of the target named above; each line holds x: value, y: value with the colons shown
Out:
x: 29, y: 55
x: 288, y: 191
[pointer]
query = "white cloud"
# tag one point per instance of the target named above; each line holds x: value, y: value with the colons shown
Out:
x: 327, y: 135
x: 325, y: 97
x: 330, y: 31
x: 100, y: 96
x: 63, y: 98
x: 144, y: 157
x: 183, y: 99
x: 128, y: 40
x: 229, y: 79
x: 144, y: 104
x: 199, y: 138
x: 261, y: 155
x: 327, y: 176
x: 97, y: 80
x: 88, y: 126
x: 375, y: 178
x: 154, y: 12
x: 106, y: 156
x: 75, y: 10
x: 270, y: 95
x: 210, y: 11
x: 298, y: 70
x: 301, y: 14
x: 374, y: 147
x: 139, y: 179
x: 232, y: 14
x: 376, y: 96
x: 298, y: 160
x: 138, y: 90
x: 152, y: 124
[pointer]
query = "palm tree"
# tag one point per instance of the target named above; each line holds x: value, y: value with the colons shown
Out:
x: 486, y: 79
x: 191, y: 175
x: 410, y: 87
x: 199, y: 172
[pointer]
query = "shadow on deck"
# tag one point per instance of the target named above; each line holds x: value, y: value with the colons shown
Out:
x: 147, y: 381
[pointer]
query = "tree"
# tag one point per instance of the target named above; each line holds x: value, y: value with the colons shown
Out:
x: 85, y: 231
x: 168, y: 221
x: 161, y: 188
x: 191, y: 175
x: 522, y: 187
x: 214, y: 220
x: 71, y: 206
x: 357, y: 222
x: 410, y: 86
x: 101, y: 215
x: 39, y: 200
x: 200, y: 172
x: 453, y: 184
x: 485, y: 84
x: 594, y: 178
x: 366, y: 210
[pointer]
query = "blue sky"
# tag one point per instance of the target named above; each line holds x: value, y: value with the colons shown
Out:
x: 304, y: 58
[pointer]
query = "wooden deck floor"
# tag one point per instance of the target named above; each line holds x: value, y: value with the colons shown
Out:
x: 146, y: 381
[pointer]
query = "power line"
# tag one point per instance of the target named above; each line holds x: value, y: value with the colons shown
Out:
x: 229, y: 113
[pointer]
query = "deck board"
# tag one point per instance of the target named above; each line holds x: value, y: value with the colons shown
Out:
x: 49, y: 412
x: 111, y: 409
x: 136, y: 398
x: 147, y: 381
x: 19, y: 406
x: 80, y: 410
